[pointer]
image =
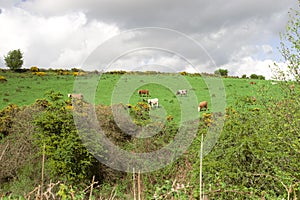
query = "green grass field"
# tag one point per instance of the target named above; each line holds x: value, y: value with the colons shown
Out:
x: 24, y: 88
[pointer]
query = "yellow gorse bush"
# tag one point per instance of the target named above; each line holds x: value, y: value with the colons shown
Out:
x: 3, y: 79
x: 34, y: 69
x: 39, y: 73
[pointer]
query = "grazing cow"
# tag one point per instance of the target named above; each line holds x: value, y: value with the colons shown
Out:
x: 203, y: 104
x: 252, y: 83
x: 143, y: 92
x: 75, y: 96
x: 182, y: 92
x: 153, y: 102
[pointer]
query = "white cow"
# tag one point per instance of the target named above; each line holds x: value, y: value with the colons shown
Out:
x: 75, y: 96
x: 153, y: 102
x: 182, y: 92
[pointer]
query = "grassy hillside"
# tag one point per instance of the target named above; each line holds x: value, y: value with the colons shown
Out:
x: 25, y: 88
x: 255, y: 156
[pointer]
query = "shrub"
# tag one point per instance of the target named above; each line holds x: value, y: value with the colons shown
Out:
x: 6, y: 118
x: 3, y: 79
x: 19, y: 164
x: 183, y: 73
x: 34, y: 69
x: 257, y: 154
x: 39, y: 73
x: 222, y: 72
x: 75, y: 73
x: 254, y: 76
x: 67, y: 158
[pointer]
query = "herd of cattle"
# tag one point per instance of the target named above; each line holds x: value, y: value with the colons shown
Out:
x: 153, y: 102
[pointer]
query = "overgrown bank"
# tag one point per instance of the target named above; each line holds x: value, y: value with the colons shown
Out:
x: 257, y: 155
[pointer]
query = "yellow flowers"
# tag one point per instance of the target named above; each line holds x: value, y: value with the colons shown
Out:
x: 207, y: 118
x: 34, y: 69
x: 69, y: 107
x: 79, y: 73
x: 39, y: 73
x: 3, y: 79
x: 170, y: 117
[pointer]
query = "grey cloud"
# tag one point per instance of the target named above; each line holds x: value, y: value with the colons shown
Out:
x: 227, y: 30
x: 189, y: 16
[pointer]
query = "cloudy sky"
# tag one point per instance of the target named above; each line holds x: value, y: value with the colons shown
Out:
x: 203, y: 35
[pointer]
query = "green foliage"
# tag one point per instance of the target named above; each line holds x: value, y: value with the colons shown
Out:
x: 66, y: 193
x: 257, y: 154
x: 171, y: 190
x: 14, y: 59
x: 140, y: 113
x: 67, y: 158
x: 244, y: 76
x: 254, y: 76
x: 222, y: 72
x: 290, y: 47
x: 261, y: 77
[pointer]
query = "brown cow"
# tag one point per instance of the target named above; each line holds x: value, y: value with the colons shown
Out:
x: 143, y: 92
x: 203, y: 104
x: 292, y: 87
x: 252, y: 83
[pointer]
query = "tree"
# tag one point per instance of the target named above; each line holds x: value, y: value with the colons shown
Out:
x: 290, y: 48
x: 254, y: 76
x: 14, y: 59
x: 244, y: 76
x: 261, y: 77
x: 222, y: 72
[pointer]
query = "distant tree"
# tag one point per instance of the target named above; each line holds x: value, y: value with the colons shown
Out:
x: 261, y: 77
x: 222, y: 72
x: 75, y: 69
x: 254, y: 76
x: 244, y: 76
x: 14, y: 59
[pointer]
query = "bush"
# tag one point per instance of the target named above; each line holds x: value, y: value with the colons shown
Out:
x: 67, y: 158
x: 40, y: 73
x: 257, y: 154
x: 7, y: 116
x: 3, y: 79
x: 222, y: 72
x: 34, y: 69
x: 254, y: 76
x: 20, y: 163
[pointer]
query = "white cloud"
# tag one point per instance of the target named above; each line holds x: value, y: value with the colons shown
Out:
x: 63, y: 33
x: 57, y: 41
x: 248, y: 66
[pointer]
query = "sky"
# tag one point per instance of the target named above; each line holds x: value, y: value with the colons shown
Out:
x: 168, y: 35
